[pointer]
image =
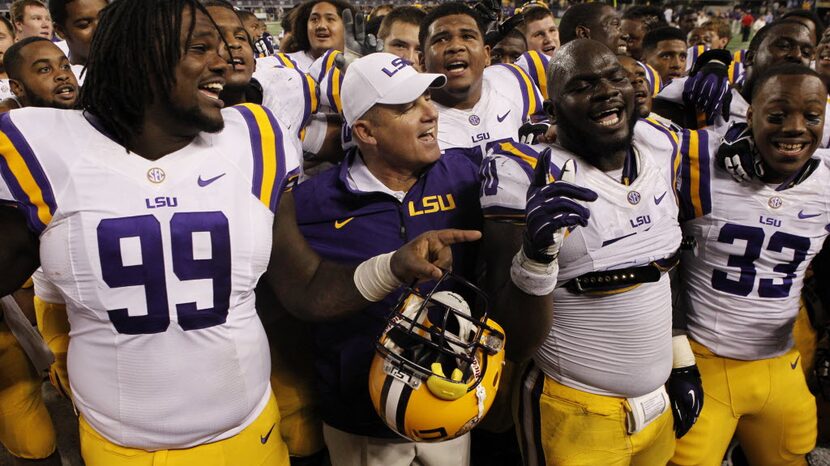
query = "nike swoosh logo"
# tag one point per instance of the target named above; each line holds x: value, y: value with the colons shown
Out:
x: 502, y: 117
x: 795, y: 363
x: 203, y: 183
x: 264, y: 440
x: 802, y: 215
x: 338, y: 224
x: 612, y: 241
x: 658, y: 200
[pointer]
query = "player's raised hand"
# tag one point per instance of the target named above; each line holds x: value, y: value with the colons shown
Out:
x: 358, y: 42
x: 424, y: 257
x: 707, y: 88
x: 551, y: 209
x: 736, y: 153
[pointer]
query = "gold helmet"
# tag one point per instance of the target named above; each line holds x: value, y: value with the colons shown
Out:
x: 436, y: 368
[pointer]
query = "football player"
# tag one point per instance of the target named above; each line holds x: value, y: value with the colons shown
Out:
x: 540, y: 29
x: 75, y: 22
x: 665, y: 50
x: 597, y: 21
x: 31, y: 18
x: 40, y: 74
x: 6, y: 41
x: 318, y: 29
x: 399, y: 33
x: 637, y: 21
x: 594, y: 393
x: 176, y: 371
x: 751, y: 244
x: 509, y: 48
x: 480, y: 104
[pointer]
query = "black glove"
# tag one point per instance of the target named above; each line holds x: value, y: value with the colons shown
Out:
x: 358, y: 42
x: 707, y: 88
x: 529, y: 132
x: 685, y: 391
x: 264, y: 47
x: 551, y: 209
x: 737, y: 155
x: 490, y: 10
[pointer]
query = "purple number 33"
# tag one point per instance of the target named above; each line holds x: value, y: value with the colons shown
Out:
x: 150, y: 273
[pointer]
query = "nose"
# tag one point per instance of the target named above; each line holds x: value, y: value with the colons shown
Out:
x: 794, y: 124
x: 606, y: 90
x: 430, y: 112
x: 219, y: 61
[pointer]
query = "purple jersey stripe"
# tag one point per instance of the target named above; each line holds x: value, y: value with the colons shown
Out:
x: 525, y: 97
x: 705, y: 190
x: 33, y: 166
x: 687, y: 210
x: 256, y: 149
x: 280, y: 181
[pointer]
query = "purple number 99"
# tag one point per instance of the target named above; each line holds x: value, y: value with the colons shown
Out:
x: 150, y: 273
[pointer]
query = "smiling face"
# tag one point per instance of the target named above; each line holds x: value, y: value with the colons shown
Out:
x: 634, y: 30
x: 404, y: 136
x: 45, y: 78
x: 236, y: 37
x: 823, y: 57
x: 81, y: 21
x: 194, y: 104
x: 455, y: 48
x: 787, y: 119
x: 609, y: 31
x: 788, y: 42
x: 325, y: 29
x: 543, y: 36
x: 593, y: 101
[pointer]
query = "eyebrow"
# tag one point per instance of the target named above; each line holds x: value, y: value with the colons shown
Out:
x: 41, y: 61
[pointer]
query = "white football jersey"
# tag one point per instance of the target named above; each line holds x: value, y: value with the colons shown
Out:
x: 742, y: 281
x: 618, y: 344
x: 157, y: 263
x: 508, y: 99
x: 302, y: 59
x: 289, y: 93
x: 6, y: 90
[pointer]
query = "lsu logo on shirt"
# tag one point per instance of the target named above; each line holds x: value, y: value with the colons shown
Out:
x: 431, y: 205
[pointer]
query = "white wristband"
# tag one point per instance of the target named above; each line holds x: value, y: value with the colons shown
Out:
x: 374, y: 278
x: 681, y: 350
x: 534, y: 278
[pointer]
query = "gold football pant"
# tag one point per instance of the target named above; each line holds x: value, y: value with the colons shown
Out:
x: 765, y: 402
x: 25, y: 426
x: 245, y: 448
x: 560, y: 425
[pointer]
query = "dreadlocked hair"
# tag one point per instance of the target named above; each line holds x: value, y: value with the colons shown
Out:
x: 137, y: 44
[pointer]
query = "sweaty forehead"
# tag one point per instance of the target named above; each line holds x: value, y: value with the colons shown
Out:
x: 791, y: 30
x: 580, y: 58
x: 40, y: 50
x: 791, y: 87
x: 451, y: 22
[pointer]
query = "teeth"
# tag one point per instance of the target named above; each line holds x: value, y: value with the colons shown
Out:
x: 789, y: 147
x: 608, y: 118
x: 215, y: 87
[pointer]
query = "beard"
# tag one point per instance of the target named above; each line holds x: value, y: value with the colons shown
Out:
x: 37, y: 101
x: 581, y: 141
x: 202, y: 120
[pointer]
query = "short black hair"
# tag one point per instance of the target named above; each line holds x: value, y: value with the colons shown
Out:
x: 449, y: 9
x: 651, y: 16
x: 13, y: 58
x: 407, y: 14
x: 57, y: 10
x: 304, y: 12
x: 782, y: 69
x: 244, y: 15
x: 652, y: 38
x: 581, y: 14
x: 807, y: 14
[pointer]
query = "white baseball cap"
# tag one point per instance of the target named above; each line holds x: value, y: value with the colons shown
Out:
x: 382, y: 78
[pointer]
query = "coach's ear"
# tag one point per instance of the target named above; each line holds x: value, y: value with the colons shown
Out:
x: 18, y: 90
